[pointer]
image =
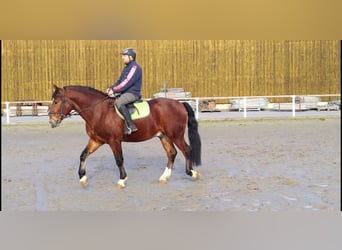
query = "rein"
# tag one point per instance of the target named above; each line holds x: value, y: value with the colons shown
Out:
x: 93, y: 105
x: 82, y: 110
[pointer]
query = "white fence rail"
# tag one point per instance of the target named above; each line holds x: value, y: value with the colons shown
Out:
x: 20, y: 108
x: 39, y: 108
x: 244, y: 107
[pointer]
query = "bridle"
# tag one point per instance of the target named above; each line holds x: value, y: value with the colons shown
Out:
x: 60, y: 112
x: 76, y: 112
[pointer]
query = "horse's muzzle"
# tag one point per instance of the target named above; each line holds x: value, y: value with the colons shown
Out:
x: 54, y: 123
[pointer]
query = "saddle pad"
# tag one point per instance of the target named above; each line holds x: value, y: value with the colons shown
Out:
x: 142, y: 109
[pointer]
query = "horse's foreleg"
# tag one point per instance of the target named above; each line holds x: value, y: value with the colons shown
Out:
x: 123, y: 174
x: 82, y: 167
x: 117, y: 151
x: 91, y: 147
x: 171, y: 155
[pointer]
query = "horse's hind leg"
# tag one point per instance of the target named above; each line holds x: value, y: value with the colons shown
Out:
x: 91, y: 147
x: 186, y: 150
x: 171, y: 155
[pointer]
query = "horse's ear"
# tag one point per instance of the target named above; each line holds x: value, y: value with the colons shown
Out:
x: 55, y: 87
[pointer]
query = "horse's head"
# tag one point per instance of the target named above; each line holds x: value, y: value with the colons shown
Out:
x: 60, y: 107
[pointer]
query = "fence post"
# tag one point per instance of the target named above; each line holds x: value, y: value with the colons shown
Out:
x: 197, y: 108
x: 7, y: 112
x: 34, y: 109
x: 18, y: 110
x: 244, y: 106
x: 293, y: 106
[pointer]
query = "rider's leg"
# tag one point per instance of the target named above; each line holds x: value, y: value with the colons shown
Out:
x: 121, y: 103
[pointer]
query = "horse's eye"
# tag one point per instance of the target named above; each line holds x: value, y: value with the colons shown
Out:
x: 55, y: 102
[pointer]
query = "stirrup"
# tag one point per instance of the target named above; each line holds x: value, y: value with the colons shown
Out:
x: 129, y: 130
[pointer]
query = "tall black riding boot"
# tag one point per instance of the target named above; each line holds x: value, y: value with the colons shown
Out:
x: 130, y: 126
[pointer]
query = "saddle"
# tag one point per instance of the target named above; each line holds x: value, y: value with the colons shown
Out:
x: 138, y: 110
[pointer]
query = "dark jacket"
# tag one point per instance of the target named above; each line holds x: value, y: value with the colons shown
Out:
x: 130, y: 80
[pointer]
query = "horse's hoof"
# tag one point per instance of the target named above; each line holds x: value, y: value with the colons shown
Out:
x: 196, y: 175
x: 165, y: 176
x: 84, y: 181
x: 162, y: 181
x: 121, y: 183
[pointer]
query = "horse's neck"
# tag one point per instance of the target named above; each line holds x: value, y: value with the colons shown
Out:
x: 84, y: 101
x: 76, y: 100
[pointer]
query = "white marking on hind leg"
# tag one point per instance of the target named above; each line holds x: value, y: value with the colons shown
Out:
x: 166, y: 175
x: 195, y: 174
x: 84, y: 181
x: 121, y: 183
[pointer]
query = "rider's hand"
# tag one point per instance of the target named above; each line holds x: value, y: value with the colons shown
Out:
x: 110, y: 92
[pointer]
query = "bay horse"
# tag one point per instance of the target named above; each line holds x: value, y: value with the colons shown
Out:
x: 167, y: 120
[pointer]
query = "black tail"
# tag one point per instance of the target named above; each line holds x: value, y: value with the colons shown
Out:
x: 194, y: 137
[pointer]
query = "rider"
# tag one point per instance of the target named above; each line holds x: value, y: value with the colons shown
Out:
x: 128, y: 87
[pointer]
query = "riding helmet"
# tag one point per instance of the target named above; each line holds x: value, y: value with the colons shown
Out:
x: 129, y: 52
